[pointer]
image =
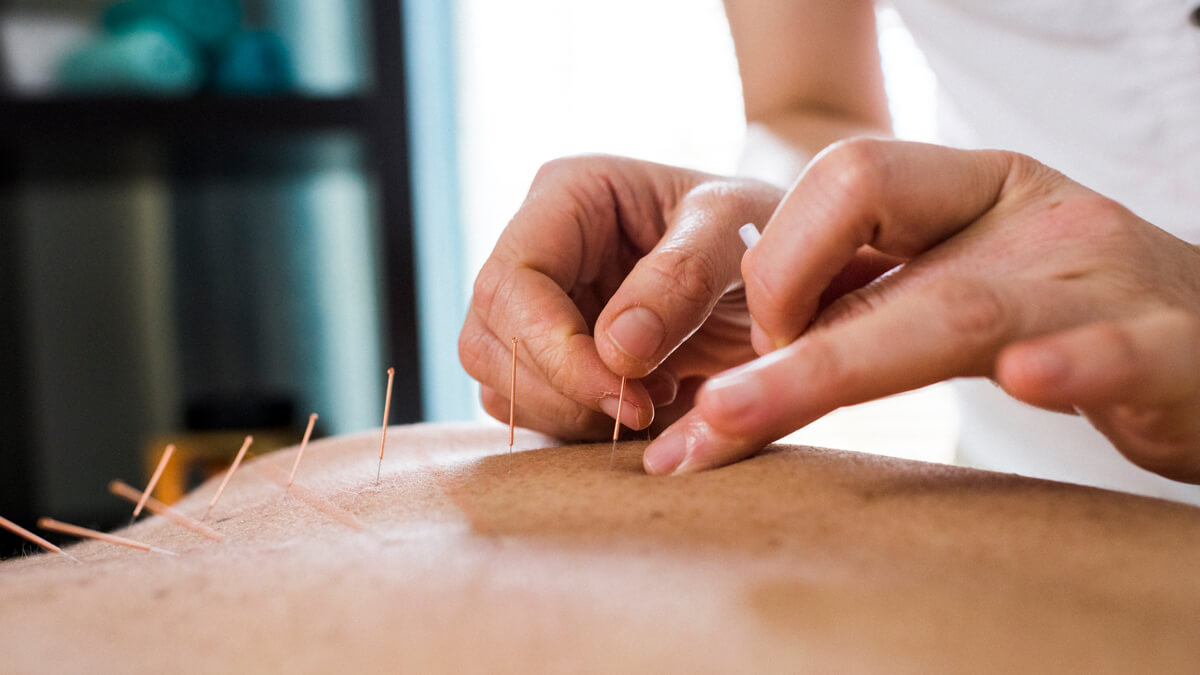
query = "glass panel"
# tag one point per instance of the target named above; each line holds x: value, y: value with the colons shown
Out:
x: 182, y: 291
x: 276, y: 276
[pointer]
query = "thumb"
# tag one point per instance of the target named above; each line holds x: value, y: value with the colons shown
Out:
x: 671, y: 291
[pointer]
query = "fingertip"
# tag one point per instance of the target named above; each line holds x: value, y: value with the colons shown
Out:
x: 662, y: 386
x: 691, y: 445
x: 636, y: 410
x: 758, y: 339
x: 1037, y: 373
x: 635, y: 337
x: 665, y: 454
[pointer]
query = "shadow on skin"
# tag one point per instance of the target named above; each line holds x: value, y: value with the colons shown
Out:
x: 789, y: 497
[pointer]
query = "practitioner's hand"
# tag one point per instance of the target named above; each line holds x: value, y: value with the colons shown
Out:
x: 610, y: 266
x: 1065, y: 298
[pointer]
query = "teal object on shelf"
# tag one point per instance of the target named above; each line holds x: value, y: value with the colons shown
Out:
x: 208, y: 22
x: 253, y: 62
x: 123, y: 15
x: 149, y: 57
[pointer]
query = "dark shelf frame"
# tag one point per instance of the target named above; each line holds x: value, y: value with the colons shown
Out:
x: 378, y: 116
x: 67, y: 116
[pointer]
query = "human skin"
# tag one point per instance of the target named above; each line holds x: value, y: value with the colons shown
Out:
x: 798, y: 560
x: 1011, y: 271
x: 995, y: 266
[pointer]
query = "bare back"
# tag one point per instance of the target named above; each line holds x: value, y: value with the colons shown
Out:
x: 799, y: 559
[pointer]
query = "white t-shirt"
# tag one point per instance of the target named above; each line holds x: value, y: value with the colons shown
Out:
x: 1106, y: 91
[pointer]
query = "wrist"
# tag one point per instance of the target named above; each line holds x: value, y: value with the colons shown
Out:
x: 776, y: 150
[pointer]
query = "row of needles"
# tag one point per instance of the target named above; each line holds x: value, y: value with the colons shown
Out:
x: 144, y: 499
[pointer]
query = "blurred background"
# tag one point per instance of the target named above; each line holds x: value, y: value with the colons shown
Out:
x: 218, y: 216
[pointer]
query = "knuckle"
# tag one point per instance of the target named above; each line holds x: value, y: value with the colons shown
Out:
x: 974, y: 311
x: 487, y: 288
x: 553, y: 169
x: 736, y: 200
x: 1094, y: 216
x: 858, y: 166
x: 1023, y: 169
x: 1031, y: 181
x: 1119, y: 341
x: 827, y: 369
x: 690, y: 277
x: 569, y: 167
x: 1123, y: 366
x: 851, y: 306
x: 472, y: 352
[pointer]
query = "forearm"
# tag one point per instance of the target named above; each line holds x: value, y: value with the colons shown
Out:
x: 810, y: 75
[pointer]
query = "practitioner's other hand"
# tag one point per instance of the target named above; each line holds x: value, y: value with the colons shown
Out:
x: 612, y: 267
x: 1065, y: 298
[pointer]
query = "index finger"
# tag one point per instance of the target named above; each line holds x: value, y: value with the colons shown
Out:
x: 947, y: 329
x: 900, y: 198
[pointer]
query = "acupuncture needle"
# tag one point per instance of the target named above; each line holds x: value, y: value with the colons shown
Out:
x: 312, y: 420
x: 512, y: 403
x: 237, y: 461
x: 617, y: 425
x: 387, y: 409
x: 26, y: 534
x: 158, y: 472
x: 749, y: 234
x: 76, y: 531
x: 125, y: 491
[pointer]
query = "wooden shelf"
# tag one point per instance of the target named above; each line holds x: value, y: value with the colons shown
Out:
x: 87, y: 115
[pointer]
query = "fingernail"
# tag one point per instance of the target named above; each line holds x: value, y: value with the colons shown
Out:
x: 662, y: 386
x: 610, y: 404
x: 734, y: 393
x: 638, y: 332
x: 666, y: 453
x: 758, y: 339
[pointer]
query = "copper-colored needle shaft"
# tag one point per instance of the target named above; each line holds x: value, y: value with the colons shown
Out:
x: 312, y: 420
x: 229, y: 474
x: 125, y: 491
x: 26, y: 534
x: 512, y: 403
x: 387, y: 411
x: 617, y: 425
x: 76, y: 531
x: 158, y: 472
